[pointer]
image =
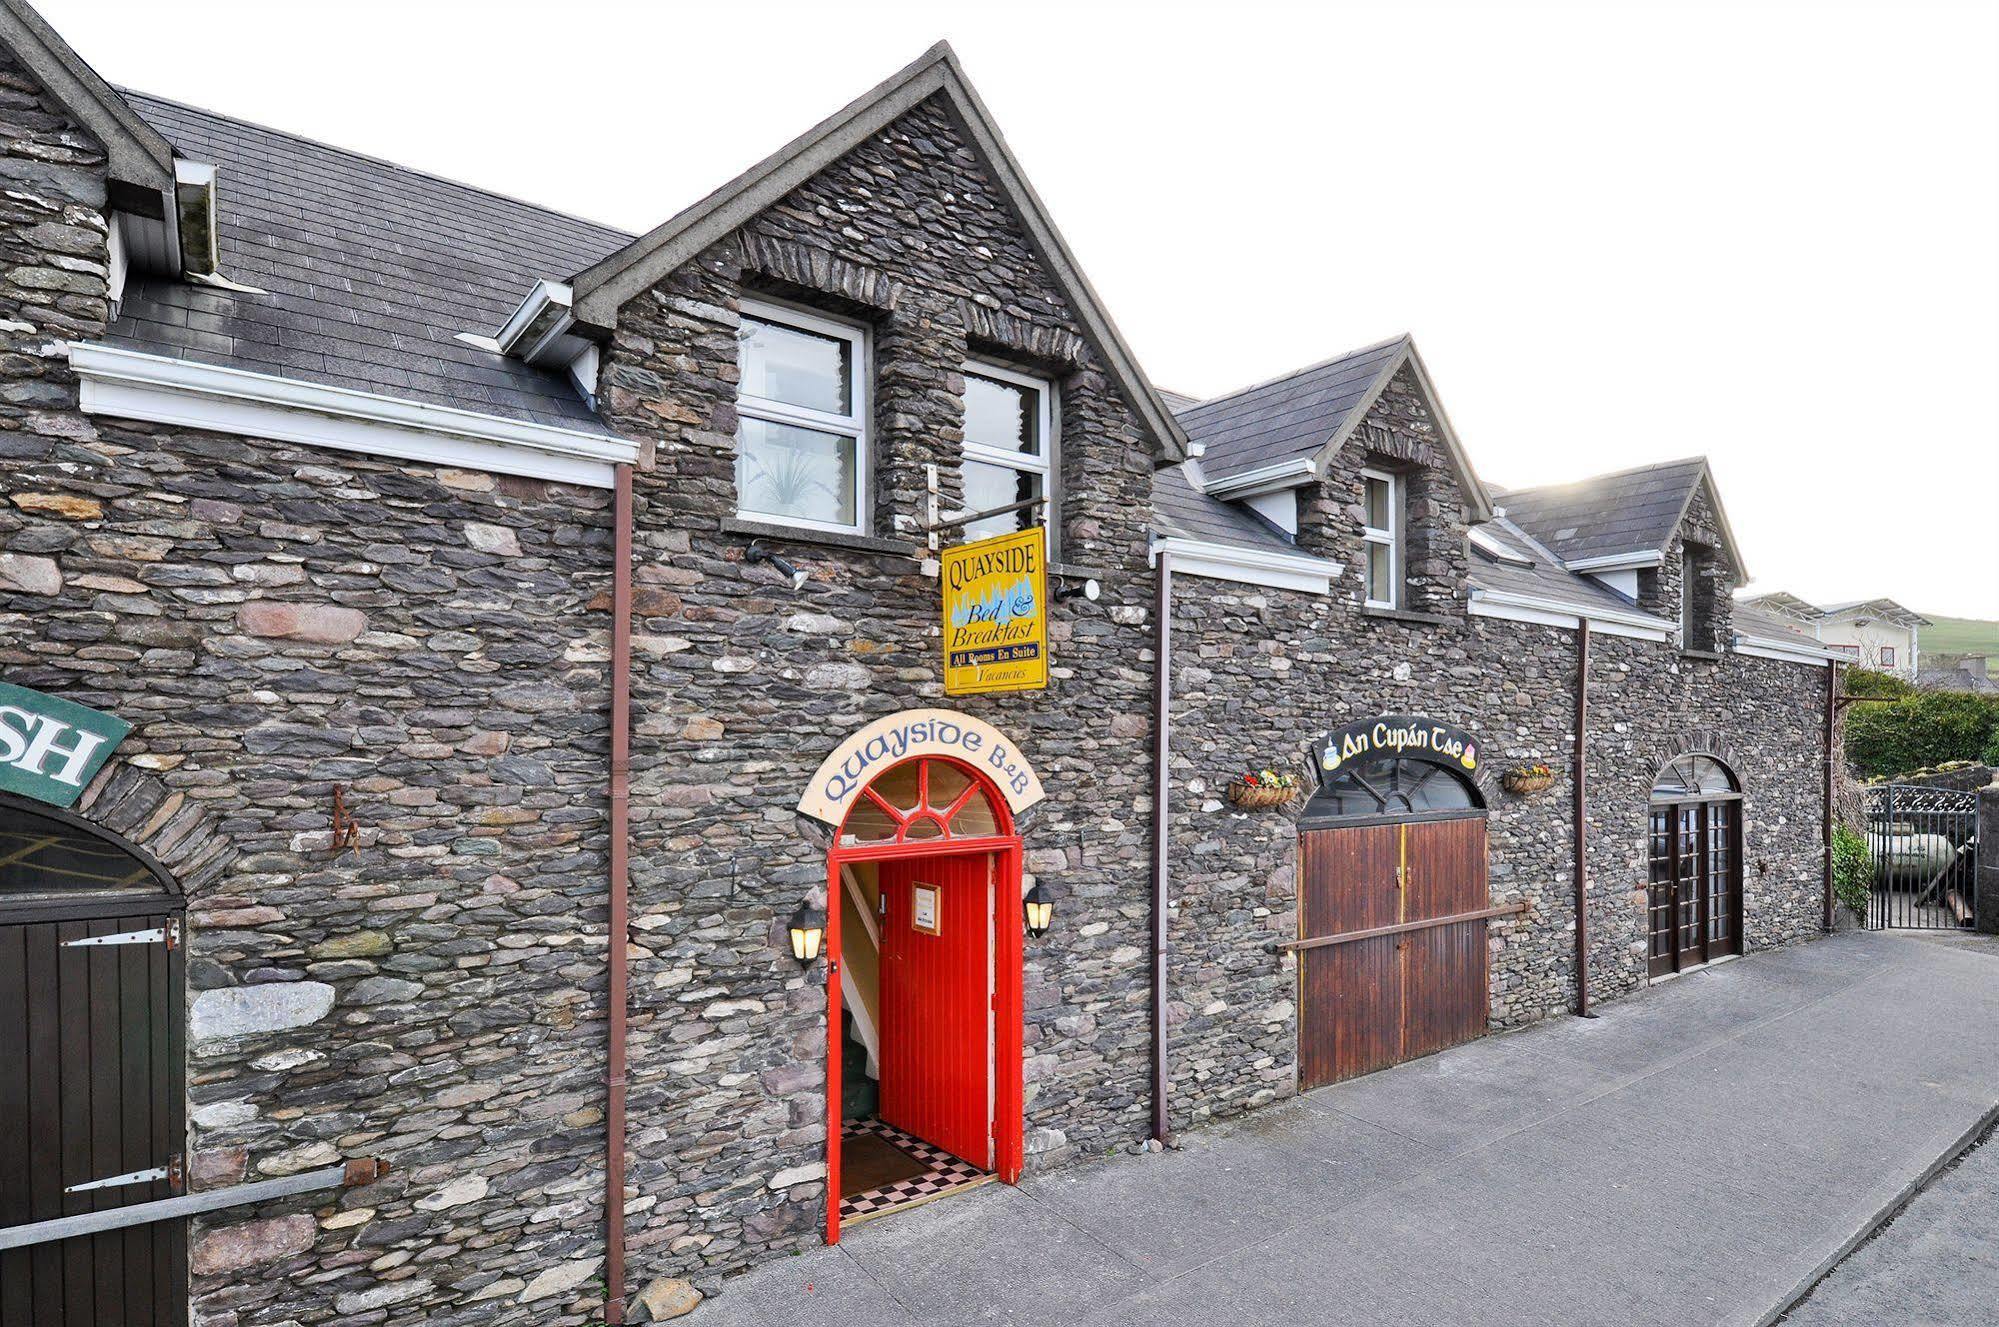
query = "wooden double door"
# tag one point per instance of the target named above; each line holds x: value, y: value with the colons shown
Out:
x: 1392, y: 959
x: 91, y: 1109
x: 1694, y: 900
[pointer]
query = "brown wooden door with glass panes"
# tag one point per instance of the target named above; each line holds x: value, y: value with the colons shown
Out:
x: 1695, y: 895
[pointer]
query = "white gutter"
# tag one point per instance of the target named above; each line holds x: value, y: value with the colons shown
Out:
x: 1606, y: 618
x: 1247, y: 566
x: 1617, y: 561
x: 132, y: 385
x: 1770, y: 647
x: 1263, y: 479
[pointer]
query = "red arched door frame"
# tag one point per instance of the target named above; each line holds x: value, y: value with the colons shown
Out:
x: 1009, y: 941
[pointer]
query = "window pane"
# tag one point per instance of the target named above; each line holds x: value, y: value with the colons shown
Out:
x: 1380, y: 585
x: 1001, y: 415
x: 782, y: 470
x: 868, y: 823
x: 796, y: 367
x: 1388, y: 785
x: 898, y: 786
x: 1380, y: 500
x: 976, y: 820
x: 988, y: 486
x: 947, y: 783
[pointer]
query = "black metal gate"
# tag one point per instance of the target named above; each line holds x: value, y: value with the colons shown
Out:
x: 1924, y: 843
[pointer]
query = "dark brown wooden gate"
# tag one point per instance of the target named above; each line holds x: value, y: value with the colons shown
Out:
x: 91, y: 1091
x: 1392, y: 956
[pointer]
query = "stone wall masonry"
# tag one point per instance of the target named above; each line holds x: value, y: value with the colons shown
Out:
x: 275, y: 621
x: 1259, y: 674
x: 431, y: 996
x: 742, y: 685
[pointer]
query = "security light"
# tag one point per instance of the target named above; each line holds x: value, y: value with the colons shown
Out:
x: 758, y: 553
x: 1068, y: 589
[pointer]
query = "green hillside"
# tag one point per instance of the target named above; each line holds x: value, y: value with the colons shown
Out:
x: 1962, y: 635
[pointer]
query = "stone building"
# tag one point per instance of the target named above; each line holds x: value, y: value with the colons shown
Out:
x: 405, y: 590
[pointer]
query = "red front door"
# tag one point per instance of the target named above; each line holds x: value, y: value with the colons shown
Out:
x: 937, y: 1002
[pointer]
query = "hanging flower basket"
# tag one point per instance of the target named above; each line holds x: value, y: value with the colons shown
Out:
x: 1263, y: 788
x: 1526, y: 780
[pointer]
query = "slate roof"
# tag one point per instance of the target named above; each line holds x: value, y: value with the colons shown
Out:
x: 1287, y: 418
x: 1887, y: 608
x: 1631, y: 511
x: 372, y: 270
x: 1753, y: 621
x: 1545, y: 579
x: 1180, y: 510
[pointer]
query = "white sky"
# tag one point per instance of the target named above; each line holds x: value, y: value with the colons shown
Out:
x: 1620, y: 232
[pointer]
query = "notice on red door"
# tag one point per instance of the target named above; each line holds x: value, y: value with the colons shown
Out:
x: 923, y: 910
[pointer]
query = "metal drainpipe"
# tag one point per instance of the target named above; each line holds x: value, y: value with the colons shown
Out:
x: 618, y: 926
x: 1582, y: 818
x: 1831, y: 712
x: 1162, y: 728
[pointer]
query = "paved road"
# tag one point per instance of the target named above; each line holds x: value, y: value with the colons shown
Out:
x: 1694, y: 1155
x: 1936, y: 1265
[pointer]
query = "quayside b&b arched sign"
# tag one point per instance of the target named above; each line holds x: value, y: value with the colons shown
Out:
x: 888, y: 742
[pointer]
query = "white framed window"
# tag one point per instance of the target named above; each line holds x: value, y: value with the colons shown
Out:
x: 1381, y: 538
x: 1009, y: 449
x: 802, y: 419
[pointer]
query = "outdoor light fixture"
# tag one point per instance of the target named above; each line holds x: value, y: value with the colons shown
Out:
x: 1068, y: 589
x: 1039, y: 908
x: 758, y: 553
x: 808, y: 930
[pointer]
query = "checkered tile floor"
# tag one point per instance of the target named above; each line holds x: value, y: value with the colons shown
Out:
x: 945, y: 1174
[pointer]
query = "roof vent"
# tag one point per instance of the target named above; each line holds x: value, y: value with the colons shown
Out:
x: 541, y: 331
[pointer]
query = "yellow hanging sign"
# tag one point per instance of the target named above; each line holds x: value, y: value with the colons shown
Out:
x: 996, y: 614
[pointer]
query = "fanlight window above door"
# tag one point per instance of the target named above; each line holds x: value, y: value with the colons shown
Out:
x: 43, y: 855
x: 1393, y: 786
x: 1693, y: 776
x: 921, y: 800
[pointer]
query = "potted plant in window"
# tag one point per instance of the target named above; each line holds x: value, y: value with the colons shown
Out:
x: 1526, y: 780
x: 1263, y: 788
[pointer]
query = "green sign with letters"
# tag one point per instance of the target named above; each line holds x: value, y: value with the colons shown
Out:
x: 51, y: 748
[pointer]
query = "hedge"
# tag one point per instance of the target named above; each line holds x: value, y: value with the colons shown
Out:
x: 1921, y: 730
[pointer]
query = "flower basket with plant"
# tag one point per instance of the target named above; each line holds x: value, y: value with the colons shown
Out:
x: 1527, y: 780
x: 1263, y: 788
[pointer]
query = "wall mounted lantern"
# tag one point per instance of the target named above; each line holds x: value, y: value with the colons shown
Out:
x: 1039, y: 910
x: 758, y: 553
x: 808, y: 931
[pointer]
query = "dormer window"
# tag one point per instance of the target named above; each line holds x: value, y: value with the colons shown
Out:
x: 1009, y: 449
x: 802, y: 435
x: 1381, y: 538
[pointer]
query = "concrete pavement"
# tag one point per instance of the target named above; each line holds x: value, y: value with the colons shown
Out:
x: 1936, y: 1265
x: 1699, y: 1153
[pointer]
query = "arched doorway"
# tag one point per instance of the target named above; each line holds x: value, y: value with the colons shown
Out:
x: 92, y: 1077
x: 1694, y: 899
x: 1393, y: 905
x: 924, y: 943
